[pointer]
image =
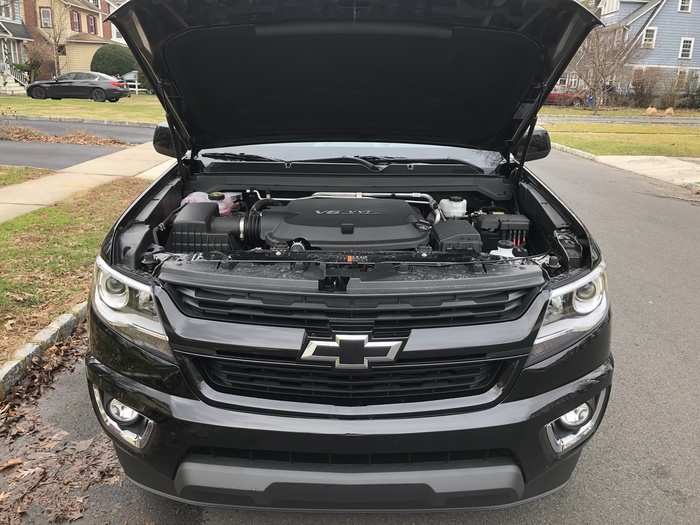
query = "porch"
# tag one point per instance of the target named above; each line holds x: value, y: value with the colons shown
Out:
x: 13, y: 36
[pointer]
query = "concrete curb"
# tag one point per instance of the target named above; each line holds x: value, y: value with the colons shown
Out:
x: 14, y: 370
x: 574, y: 151
x: 81, y: 121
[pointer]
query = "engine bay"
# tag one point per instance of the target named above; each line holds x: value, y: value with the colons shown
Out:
x: 492, y: 225
x: 350, y: 223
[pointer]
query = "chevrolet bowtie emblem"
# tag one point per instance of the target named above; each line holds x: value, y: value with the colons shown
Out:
x: 352, y: 351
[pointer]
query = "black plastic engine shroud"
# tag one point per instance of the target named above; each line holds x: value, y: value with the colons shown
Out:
x: 345, y: 224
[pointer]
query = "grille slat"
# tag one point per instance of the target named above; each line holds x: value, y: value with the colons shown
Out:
x: 326, y: 311
x: 320, y: 384
x: 356, y: 383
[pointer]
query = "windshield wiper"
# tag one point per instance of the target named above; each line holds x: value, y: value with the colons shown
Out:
x: 372, y: 163
x: 405, y: 160
x: 364, y: 161
x: 240, y: 157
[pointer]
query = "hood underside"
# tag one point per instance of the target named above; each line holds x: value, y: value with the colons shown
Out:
x: 469, y: 73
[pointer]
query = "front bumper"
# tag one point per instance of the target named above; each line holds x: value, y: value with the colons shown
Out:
x: 214, y: 455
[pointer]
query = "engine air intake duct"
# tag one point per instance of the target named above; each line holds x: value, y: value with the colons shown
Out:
x: 198, y: 228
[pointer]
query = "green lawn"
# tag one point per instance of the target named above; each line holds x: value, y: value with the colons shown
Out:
x: 629, y: 139
x: 48, y: 256
x: 141, y: 108
x: 600, y: 139
x: 612, y: 112
x: 16, y: 174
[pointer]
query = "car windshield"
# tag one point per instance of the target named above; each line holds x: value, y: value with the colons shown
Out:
x: 486, y: 161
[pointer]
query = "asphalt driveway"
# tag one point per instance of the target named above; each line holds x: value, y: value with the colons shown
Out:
x: 128, y: 133
x: 60, y: 156
x: 643, y: 467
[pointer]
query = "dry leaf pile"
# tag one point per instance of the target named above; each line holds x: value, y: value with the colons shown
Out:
x: 20, y: 134
x: 39, y: 465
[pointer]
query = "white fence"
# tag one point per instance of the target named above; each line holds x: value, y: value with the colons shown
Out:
x: 135, y: 87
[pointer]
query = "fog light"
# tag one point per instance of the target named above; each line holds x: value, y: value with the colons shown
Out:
x: 577, y: 417
x: 573, y: 428
x: 122, y: 413
x: 137, y: 435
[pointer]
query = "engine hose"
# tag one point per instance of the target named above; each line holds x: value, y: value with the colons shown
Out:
x: 260, y: 204
x: 246, y: 227
x: 252, y: 228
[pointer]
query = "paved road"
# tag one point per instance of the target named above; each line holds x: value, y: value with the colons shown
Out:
x: 131, y: 134
x: 51, y: 156
x: 603, y: 119
x: 643, y: 467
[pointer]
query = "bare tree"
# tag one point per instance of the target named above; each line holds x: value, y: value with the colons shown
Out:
x: 600, y: 61
x: 56, y: 34
x: 40, y: 58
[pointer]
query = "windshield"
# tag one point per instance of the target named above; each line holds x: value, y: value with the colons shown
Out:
x: 485, y: 160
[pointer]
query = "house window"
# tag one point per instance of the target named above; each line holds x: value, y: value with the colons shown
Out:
x: 649, y: 40
x: 5, y: 10
x: 687, y: 45
x: 682, y: 79
x: 572, y: 80
x: 46, y: 16
x: 91, y: 25
x: 96, y: 3
x: 693, y: 81
x: 610, y: 6
x: 685, y: 6
x: 116, y: 33
x: 75, y: 21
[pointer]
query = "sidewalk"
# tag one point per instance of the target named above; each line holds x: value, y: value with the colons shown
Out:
x: 679, y: 171
x: 142, y: 160
x: 667, y: 169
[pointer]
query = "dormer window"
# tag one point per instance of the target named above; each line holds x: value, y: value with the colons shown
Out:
x: 685, y: 6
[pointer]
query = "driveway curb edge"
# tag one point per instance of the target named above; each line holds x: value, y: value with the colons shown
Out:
x: 61, y: 328
x: 81, y: 121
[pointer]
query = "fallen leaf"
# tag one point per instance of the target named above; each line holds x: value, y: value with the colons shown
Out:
x: 30, y: 472
x: 10, y: 463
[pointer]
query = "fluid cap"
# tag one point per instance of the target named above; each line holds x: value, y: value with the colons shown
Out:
x: 216, y: 196
x: 505, y: 244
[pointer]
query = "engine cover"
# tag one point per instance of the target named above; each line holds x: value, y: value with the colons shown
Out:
x: 345, y: 224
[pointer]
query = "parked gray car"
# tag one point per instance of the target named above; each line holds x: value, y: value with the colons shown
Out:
x: 97, y: 86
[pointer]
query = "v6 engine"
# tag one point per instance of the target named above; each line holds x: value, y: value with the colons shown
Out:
x: 345, y: 224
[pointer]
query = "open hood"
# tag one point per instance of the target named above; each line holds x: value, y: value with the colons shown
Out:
x: 470, y: 73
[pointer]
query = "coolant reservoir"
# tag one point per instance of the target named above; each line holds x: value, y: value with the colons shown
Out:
x: 454, y: 207
x: 227, y: 201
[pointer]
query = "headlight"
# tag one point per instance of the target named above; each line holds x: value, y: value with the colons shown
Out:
x: 127, y: 306
x: 574, y: 310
